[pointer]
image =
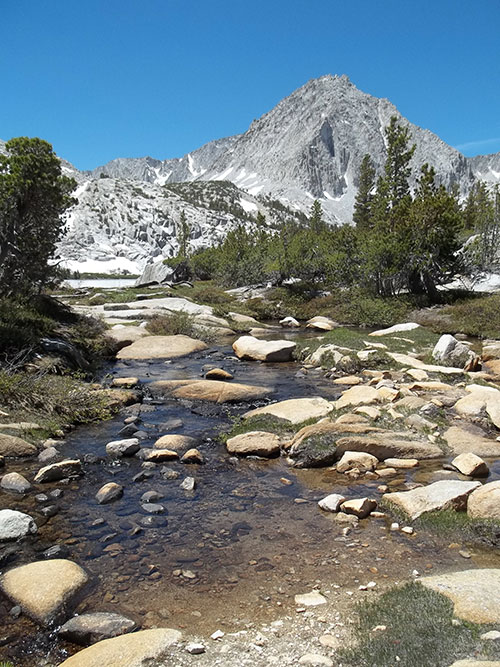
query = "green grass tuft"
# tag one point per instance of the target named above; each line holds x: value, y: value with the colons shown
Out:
x: 419, y: 632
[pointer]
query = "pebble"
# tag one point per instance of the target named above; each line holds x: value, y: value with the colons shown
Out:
x: 188, y: 484
x: 195, y: 649
x: 492, y: 635
x: 407, y: 530
x: 218, y: 634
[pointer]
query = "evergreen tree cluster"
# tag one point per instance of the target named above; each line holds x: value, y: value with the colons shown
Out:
x: 401, y: 240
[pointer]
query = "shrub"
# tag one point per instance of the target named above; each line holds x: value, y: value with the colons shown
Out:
x: 179, y: 323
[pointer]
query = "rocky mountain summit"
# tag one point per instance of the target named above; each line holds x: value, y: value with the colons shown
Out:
x: 310, y: 146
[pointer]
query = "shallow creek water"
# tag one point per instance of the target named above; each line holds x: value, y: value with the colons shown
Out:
x: 243, y: 541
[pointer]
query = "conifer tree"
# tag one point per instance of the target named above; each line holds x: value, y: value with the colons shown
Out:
x: 362, y: 216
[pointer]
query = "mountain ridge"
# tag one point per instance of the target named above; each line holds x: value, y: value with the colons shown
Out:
x: 309, y: 146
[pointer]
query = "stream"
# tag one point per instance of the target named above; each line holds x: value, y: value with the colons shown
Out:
x: 227, y: 555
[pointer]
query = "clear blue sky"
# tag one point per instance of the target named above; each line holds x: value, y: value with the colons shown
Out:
x: 101, y: 79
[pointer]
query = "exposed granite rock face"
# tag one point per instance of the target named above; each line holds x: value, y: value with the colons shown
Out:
x: 310, y: 145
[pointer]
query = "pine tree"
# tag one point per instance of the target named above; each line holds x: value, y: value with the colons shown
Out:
x: 316, y: 222
x: 362, y: 216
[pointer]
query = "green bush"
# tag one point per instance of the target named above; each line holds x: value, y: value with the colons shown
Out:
x: 179, y: 323
x: 21, y: 326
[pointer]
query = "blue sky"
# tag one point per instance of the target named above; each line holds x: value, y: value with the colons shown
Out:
x: 124, y: 78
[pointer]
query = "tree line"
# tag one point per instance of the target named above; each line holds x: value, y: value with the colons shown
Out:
x: 402, y: 239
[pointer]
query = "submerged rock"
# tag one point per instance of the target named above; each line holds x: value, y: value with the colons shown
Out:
x: 44, y: 589
x: 91, y: 628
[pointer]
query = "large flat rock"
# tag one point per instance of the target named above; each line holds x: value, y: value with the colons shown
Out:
x: 43, y: 589
x: 11, y: 445
x: 134, y: 650
x: 295, y: 410
x: 161, y: 347
x: 474, y: 593
x: 210, y: 390
x: 470, y: 439
x: 446, y: 494
x: 248, y: 347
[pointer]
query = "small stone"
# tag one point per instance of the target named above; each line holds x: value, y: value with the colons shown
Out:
x: 195, y: 649
x: 312, y: 599
x: 108, y: 493
x: 153, y: 508
x: 48, y: 454
x: 193, y: 456
x: 160, y: 455
x: 407, y: 530
x: 471, y: 465
x: 492, y: 635
x: 188, y: 574
x: 331, y: 503
x: 218, y: 374
x: 122, y: 448
x: 188, y: 484
x: 151, y: 496
x: 127, y: 383
x: 465, y: 554
x: 360, y: 507
x: 394, y: 526
x: 14, y: 524
x: 15, y: 482
x: 218, y: 634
